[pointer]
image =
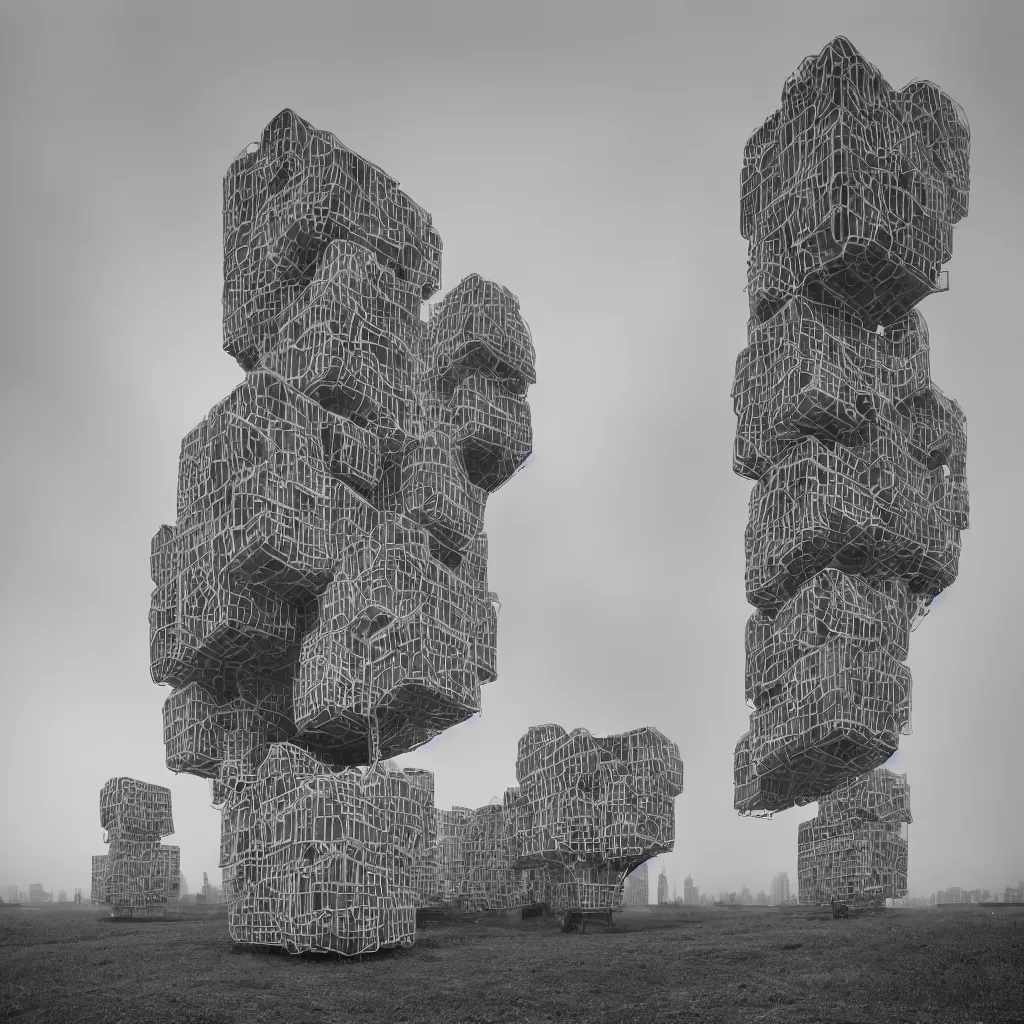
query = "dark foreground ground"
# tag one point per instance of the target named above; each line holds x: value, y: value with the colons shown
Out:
x: 704, y: 965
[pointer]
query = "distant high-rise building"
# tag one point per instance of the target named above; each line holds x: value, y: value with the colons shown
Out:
x: 12, y: 894
x: 663, y: 887
x: 62, y: 897
x: 78, y: 897
x: 745, y: 897
x: 36, y: 894
x: 780, y: 889
x: 690, y: 894
x: 953, y: 894
x: 636, y: 888
x: 762, y: 898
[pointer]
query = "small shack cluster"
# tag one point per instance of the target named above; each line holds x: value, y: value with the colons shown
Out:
x: 588, y: 810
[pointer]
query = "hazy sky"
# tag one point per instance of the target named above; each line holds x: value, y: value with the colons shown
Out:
x: 587, y: 156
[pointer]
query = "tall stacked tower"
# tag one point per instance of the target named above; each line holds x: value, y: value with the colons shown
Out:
x: 855, y: 849
x: 321, y: 603
x: 849, y: 196
x: 137, y: 875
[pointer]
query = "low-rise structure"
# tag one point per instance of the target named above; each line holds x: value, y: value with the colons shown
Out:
x: 37, y: 894
x: 637, y: 890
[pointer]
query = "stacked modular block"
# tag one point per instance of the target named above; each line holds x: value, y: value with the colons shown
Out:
x: 476, y: 861
x: 855, y: 850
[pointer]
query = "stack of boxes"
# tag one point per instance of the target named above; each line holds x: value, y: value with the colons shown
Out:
x: 855, y: 850
x: 849, y: 196
x: 589, y: 810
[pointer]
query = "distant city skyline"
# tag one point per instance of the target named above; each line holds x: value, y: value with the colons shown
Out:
x: 22, y: 893
x: 638, y: 892
x: 780, y: 881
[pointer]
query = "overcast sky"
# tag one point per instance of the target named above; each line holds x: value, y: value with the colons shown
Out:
x: 587, y: 156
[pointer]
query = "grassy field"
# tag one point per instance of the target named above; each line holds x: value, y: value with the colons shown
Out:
x: 717, y: 965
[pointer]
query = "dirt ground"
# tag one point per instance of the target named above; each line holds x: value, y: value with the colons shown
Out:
x: 721, y: 965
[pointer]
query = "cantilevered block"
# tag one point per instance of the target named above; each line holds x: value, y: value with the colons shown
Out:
x: 400, y: 636
x: 347, y: 342
x: 855, y: 849
x: 827, y: 681
x: 193, y: 738
x: 819, y: 370
x: 589, y: 810
x: 285, y: 201
x: 859, y: 461
x: 851, y: 189
x: 277, y: 552
x: 128, y: 806
x: 869, y: 476
x: 252, y: 541
x: 480, y: 364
